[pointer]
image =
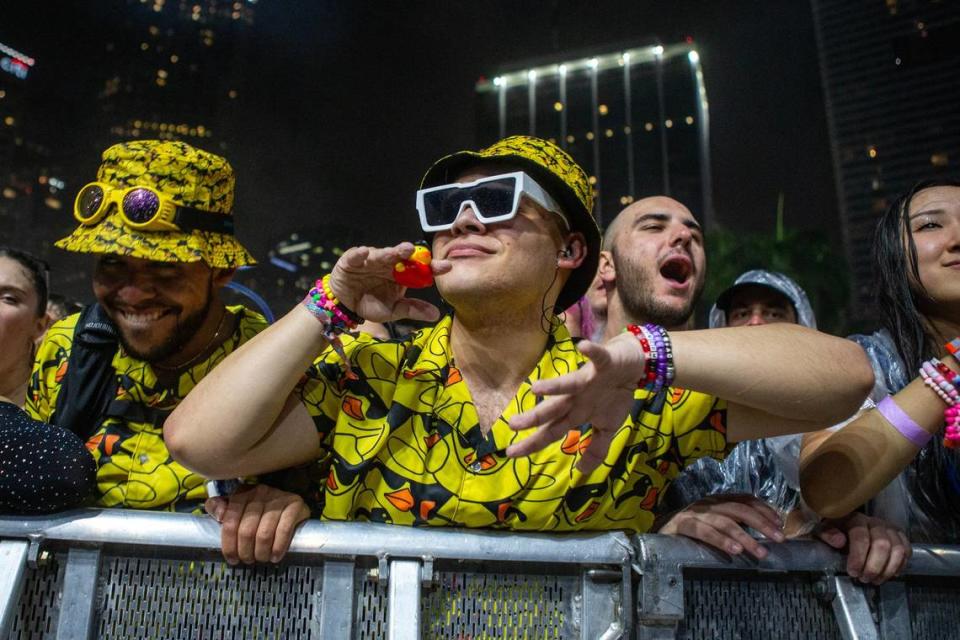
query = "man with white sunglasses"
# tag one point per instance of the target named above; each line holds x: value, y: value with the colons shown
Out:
x: 438, y: 429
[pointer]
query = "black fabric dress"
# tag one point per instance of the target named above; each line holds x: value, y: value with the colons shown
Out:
x: 43, y: 468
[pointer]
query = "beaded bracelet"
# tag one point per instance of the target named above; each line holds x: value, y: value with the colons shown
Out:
x: 335, y: 317
x: 659, y: 370
x: 323, y: 304
x: 649, y: 354
x: 938, y: 377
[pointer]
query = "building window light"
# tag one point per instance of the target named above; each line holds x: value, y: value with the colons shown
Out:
x: 589, y: 135
x: 603, y: 109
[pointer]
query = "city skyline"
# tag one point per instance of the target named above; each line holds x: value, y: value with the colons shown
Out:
x: 341, y: 109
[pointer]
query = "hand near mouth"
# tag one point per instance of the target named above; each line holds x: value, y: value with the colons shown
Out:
x: 363, y: 281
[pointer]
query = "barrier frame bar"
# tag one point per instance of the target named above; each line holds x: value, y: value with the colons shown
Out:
x: 608, y: 564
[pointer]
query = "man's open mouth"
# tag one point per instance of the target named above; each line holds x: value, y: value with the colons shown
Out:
x: 677, y: 269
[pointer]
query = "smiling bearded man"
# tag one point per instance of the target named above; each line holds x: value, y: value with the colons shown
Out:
x: 159, y: 220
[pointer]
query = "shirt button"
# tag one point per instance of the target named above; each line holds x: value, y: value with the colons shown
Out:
x: 476, y: 466
x: 143, y: 458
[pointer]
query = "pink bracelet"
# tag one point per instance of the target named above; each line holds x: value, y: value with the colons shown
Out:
x: 934, y: 379
x: 903, y: 423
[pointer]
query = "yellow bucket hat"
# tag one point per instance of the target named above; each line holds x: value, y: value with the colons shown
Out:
x: 191, y: 178
x: 555, y: 171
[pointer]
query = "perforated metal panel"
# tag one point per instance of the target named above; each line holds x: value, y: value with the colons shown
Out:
x: 39, y: 604
x: 935, y: 608
x: 479, y: 605
x: 747, y: 606
x: 370, y: 608
x: 159, y: 598
x: 483, y: 605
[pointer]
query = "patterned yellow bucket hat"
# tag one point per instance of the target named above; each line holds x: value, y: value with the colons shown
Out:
x: 555, y: 171
x: 191, y: 178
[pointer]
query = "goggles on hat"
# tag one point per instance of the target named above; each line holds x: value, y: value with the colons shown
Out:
x: 145, y: 209
x: 493, y: 199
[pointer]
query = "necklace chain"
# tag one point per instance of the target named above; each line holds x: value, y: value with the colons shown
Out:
x: 189, y: 363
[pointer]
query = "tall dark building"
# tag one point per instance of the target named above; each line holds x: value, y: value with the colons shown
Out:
x: 31, y: 186
x: 891, y: 75
x: 637, y: 120
x: 173, y: 69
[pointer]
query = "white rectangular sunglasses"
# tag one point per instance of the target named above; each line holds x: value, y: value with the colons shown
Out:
x: 493, y: 199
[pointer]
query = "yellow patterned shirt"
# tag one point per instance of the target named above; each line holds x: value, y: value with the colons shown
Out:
x: 134, y: 468
x: 407, y: 447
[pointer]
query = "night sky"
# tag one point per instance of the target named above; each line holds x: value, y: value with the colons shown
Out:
x: 346, y: 104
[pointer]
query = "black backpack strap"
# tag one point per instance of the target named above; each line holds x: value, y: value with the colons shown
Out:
x: 90, y: 383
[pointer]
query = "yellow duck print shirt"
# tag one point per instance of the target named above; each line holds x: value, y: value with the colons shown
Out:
x: 134, y: 468
x: 405, y: 444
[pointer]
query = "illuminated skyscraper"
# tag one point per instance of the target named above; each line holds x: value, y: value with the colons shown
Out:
x: 637, y: 120
x: 173, y: 68
x: 891, y: 76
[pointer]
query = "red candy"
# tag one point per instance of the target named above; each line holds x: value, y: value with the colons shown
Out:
x: 415, y: 271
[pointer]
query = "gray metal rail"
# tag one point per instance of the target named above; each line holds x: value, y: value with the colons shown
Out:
x: 122, y: 574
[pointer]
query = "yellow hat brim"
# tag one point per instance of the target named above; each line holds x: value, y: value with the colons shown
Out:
x: 113, y: 237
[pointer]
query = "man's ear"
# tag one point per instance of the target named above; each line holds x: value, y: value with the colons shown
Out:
x: 607, y: 270
x: 221, y: 277
x: 574, y: 252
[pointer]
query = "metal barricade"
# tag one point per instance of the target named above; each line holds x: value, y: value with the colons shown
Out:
x: 127, y: 574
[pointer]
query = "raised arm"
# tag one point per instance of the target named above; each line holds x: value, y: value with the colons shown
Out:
x: 777, y: 379
x: 840, y: 470
x: 241, y: 418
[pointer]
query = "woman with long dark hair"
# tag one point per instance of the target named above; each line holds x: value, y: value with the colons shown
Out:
x: 902, y: 439
x: 43, y: 468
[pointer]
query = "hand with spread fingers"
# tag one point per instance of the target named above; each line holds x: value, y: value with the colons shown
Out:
x: 363, y: 281
x: 720, y: 522
x: 877, y: 550
x: 599, y: 393
x: 257, y: 523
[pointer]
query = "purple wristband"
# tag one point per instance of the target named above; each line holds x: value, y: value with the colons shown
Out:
x: 903, y: 423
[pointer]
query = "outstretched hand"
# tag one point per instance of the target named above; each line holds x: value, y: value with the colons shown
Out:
x: 600, y: 393
x: 363, y: 281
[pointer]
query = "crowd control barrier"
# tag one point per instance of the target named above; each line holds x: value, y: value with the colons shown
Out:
x: 129, y: 574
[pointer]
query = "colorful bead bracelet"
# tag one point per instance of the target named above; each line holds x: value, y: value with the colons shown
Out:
x: 943, y: 381
x: 658, y: 365
x: 323, y: 304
